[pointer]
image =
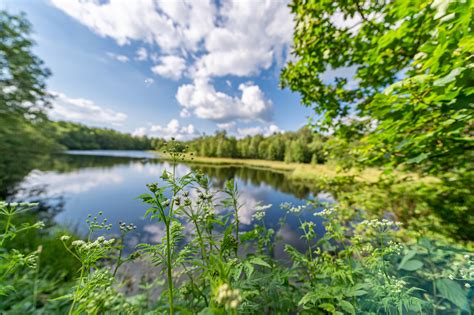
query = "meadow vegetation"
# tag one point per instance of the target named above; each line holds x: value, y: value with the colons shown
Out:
x: 360, y: 264
x: 397, y: 240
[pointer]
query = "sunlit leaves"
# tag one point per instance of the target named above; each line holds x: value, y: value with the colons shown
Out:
x: 413, y: 62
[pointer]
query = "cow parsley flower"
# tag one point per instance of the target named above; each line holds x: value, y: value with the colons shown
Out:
x: 228, y: 297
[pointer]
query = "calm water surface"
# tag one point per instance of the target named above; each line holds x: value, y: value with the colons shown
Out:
x: 78, y: 183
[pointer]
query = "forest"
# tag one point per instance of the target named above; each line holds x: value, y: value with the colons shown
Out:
x: 302, y: 146
x: 401, y: 243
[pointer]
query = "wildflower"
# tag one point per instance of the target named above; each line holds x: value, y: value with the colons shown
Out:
x: 263, y: 207
x: 39, y: 225
x: 381, y: 225
x: 259, y: 215
x: 228, y: 297
x: 109, y: 242
x: 324, y: 213
x: 291, y: 208
x: 65, y: 238
x: 78, y: 243
x: 153, y: 187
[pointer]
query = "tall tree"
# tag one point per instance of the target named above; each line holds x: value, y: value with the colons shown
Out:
x: 411, y: 98
x: 23, y: 100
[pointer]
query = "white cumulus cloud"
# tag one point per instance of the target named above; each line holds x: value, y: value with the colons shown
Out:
x: 172, y: 129
x: 170, y: 67
x: 252, y: 131
x: 202, y: 99
x: 168, y: 24
x: 83, y: 110
x: 121, y: 58
x: 198, y: 40
x: 141, y: 54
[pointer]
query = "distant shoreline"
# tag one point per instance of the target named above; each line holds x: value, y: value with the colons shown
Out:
x: 296, y: 171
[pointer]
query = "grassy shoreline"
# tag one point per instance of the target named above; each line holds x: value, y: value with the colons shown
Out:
x: 296, y: 171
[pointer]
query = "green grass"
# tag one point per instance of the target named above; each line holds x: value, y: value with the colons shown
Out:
x: 301, y: 171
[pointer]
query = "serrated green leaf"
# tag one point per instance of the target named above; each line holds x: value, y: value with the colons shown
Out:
x: 259, y: 261
x: 347, y: 307
x: 327, y: 307
x: 308, y: 297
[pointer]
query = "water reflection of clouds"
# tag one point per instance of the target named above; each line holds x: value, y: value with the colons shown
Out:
x: 156, y: 169
x: 113, y: 187
x: 249, y: 202
x: 325, y: 197
x: 155, y: 232
x: 63, y: 183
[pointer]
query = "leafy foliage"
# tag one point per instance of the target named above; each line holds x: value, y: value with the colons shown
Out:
x: 411, y: 98
x: 302, y: 146
x: 75, y: 136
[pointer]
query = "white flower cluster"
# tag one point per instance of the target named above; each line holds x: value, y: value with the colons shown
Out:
x: 228, y: 297
x: 260, y: 212
x: 463, y: 271
x: 99, y: 242
x: 395, y: 247
x: 324, y: 213
x: 64, y: 238
x: 380, y: 224
x: 258, y: 216
x: 467, y: 272
x: 290, y: 208
x: 368, y: 248
x: 395, y: 285
x: 263, y: 207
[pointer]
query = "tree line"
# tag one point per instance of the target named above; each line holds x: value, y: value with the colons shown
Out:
x: 76, y: 136
x: 302, y: 146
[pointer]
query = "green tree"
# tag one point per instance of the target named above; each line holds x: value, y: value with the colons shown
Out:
x: 24, y: 128
x: 23, y: 94
x: 411, y: 98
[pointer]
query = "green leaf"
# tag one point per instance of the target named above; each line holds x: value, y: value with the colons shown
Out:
x: 453, y: 292
x: 327, y: 307
x: 409, y: 255
x: 259, y: 261
x: 411, y: 265
x: 357, y: 290
x: 249, y: 269
x: 418, y: 158
x: 308, y: 297
x: 347, y: 307
x: 449, y: 78
x: 206, y: 311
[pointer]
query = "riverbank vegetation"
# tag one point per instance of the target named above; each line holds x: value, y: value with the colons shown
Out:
x: 392, y: 243
x: 360, y: 264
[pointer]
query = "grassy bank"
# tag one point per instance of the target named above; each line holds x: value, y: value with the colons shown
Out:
x: 409, y: 198
x: 300, y: 171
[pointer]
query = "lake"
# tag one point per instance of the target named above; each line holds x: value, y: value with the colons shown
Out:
x: 72, y: 185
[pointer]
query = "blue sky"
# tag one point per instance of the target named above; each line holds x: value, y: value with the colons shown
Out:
x: 167, y: 68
